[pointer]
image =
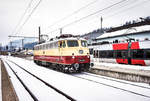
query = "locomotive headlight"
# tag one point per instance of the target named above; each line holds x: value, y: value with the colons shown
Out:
x: 80, y: 51
x: 73, y: 55
x: 88, y: 56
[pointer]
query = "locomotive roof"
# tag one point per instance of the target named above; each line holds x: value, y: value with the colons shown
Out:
x: 60, y: 39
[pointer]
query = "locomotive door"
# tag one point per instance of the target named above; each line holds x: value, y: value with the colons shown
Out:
x: 62, y: 45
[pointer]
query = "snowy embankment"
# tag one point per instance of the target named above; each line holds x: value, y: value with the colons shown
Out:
x: 81, y: 90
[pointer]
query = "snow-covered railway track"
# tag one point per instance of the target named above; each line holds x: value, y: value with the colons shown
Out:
x: 117, y: 84
x: 28, y: 89
x: 115, y: 80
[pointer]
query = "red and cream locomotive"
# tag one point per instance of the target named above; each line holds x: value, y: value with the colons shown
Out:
x: 65, y: 53
x: 135, y: 53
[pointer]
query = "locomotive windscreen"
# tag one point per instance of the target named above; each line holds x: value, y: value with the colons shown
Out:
x: 72, y: 43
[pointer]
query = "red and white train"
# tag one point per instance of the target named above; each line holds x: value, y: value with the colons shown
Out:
x: 135, y: 53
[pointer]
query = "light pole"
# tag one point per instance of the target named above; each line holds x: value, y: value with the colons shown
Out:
x: 101, y: 19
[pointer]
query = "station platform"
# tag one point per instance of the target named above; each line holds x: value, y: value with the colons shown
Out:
x: 122, y: 71
x: 7, y: 92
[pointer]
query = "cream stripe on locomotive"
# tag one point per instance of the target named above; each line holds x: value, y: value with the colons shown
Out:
x: 62, y: 52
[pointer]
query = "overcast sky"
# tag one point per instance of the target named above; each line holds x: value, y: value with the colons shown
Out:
x: 50, y: 11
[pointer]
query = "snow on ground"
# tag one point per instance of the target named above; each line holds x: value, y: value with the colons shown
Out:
x: 20, y: 90
x: 42, y: 92
x: 125, y: 86
x: 81, y: 90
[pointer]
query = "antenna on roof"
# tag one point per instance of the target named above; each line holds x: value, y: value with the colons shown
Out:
x: 60, y: 31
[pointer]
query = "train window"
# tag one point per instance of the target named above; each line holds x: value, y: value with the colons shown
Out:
x: 40, y: 47
x: 124, y: 54
x: 60, y: 44
x: 63, y: 44
x: 138, y: 53
x: 118, y: 54
x: 46, y: 46
x: 147, y: 54
x: 56, y: 45
x: 51, y: 45
x: 94, y: 54
x: 110, y: 54
x: 97, y: 54
x: 102, y: 54
x: 91, y: 51
x: 72, y: 43
x: 83, y: 43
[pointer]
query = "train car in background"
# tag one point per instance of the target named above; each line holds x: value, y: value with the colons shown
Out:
x: 66, y: 53
x: 131, y: 52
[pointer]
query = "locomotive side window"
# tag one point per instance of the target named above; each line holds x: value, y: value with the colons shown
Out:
x: 72, y: 43
x: 83, y: 43
x: 63, y: 44
x: 56, y: 45
x: 46, y: 46
x: 60, y: 44
x: 50, y: 46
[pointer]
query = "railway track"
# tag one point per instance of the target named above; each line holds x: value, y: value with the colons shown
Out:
x: 28, y: 90
x: 95, y: 83
x: 114, y: 83
x: 115, y: 80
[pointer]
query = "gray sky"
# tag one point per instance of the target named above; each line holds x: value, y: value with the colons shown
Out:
x: 50, y: 11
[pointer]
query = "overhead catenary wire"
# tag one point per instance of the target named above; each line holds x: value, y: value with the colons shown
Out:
x: 129, y: 8
x: 108, y: 7
x: 29, y: 5
x: 32, y: 11
x: 78, y: 10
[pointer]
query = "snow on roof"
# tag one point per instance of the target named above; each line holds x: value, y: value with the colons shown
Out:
x: 126, y: 31
x: 56, y: 40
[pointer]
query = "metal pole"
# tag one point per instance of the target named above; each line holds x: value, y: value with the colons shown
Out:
x: 60, y: 31
x: 39, y: 34
x: 22, y: 44
x: 101, y: 23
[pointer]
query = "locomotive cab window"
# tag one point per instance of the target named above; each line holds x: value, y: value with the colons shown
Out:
x: 72, y: 43
x: 60, y: 45
x: 63, y: 44
x: 83, y: 43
